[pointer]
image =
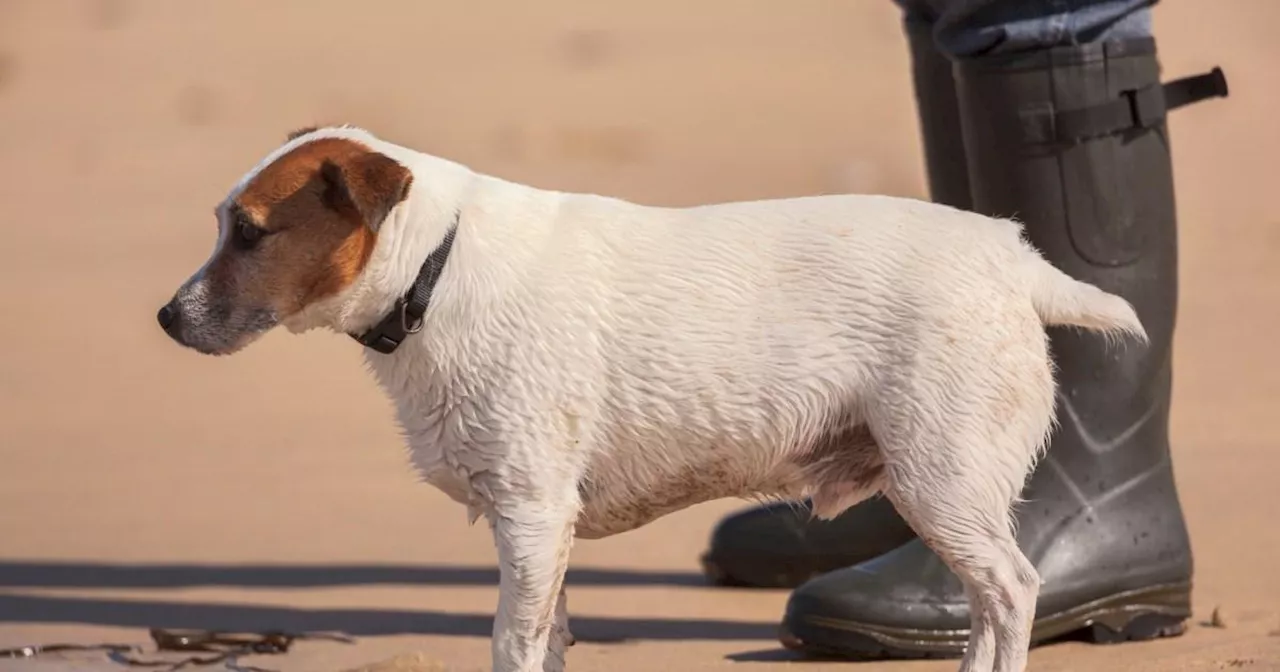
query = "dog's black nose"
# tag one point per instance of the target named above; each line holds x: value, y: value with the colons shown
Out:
x: 167, y: 316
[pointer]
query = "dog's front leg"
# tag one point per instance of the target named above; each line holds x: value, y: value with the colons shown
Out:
x: 561, y: 638
x: 533, y: 540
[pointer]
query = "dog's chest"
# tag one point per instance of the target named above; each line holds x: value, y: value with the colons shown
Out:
x: 438, y: 464
x: 425, y: 413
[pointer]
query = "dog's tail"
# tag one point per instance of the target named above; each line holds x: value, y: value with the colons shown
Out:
x: 1060, y: 299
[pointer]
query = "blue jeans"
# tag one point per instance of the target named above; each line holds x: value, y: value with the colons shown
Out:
x: 964, y: 28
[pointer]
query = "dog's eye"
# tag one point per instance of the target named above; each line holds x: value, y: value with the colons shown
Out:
x: 246, y: 235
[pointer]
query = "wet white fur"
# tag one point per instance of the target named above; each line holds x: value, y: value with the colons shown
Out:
x: 588, y: 364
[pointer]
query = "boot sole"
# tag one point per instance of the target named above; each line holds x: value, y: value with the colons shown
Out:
x: 1136, y: 615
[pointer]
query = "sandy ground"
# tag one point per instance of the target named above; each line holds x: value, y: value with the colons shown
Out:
x: 143, y: 485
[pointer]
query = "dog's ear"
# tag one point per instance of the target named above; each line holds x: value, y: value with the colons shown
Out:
x: 294, y: 135
x: 371, y: 184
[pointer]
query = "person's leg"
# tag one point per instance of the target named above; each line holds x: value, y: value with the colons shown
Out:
x: 975, y: 28
x: 780, y: 545
x: 1063, y: 124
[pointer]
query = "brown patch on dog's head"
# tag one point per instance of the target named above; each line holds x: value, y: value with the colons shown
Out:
x: 317, y: 210
x: 300, y: 230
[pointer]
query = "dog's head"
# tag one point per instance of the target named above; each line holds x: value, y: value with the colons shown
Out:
x: 298, y: 229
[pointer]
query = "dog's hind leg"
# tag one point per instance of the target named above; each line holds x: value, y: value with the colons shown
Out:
x: 533, y: 537
x: 982, y: 639
x: 963, y: 516
x: 959, y: 440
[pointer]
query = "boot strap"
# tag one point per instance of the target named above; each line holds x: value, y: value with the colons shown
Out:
x: 1134, y: 110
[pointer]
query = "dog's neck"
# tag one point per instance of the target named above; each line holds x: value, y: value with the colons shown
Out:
x: 408, y: 235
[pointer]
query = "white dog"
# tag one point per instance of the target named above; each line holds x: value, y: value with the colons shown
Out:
x: 575, y: 365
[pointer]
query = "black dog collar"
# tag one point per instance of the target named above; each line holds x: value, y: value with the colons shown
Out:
x: 405, y: 317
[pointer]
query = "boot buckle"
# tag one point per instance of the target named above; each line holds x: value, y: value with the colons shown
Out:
x: 1147, y: 106
x: 1136, y: 109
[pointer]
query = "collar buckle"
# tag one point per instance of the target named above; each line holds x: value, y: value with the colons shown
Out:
x: 408, y: 314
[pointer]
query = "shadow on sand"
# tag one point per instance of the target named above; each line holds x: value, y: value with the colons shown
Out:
x: 145, y: 613
x: 36, y: 574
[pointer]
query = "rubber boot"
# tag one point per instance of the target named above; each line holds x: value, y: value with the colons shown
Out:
x: 1072, y: 141
x: 782, y: 545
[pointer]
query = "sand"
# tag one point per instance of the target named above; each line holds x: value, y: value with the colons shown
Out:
x: 141, y: 484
